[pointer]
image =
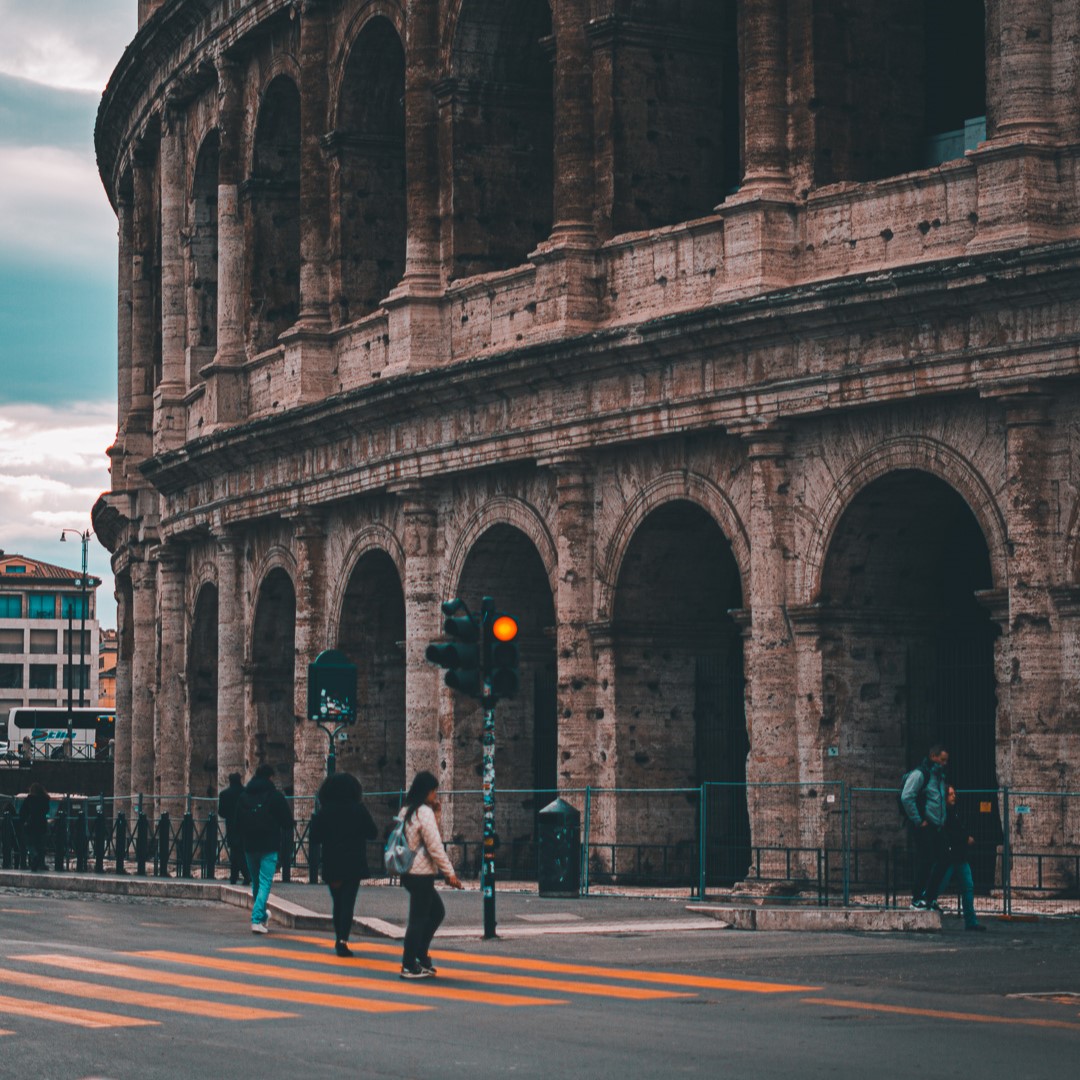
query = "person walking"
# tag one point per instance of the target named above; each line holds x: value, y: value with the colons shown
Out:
x: 228, y: 806
x: 263, y: 814
x: 923, y: 800
x: 958, y: 844
x: 34, y: 819
x: 426, y: 910
x: 342, y: 826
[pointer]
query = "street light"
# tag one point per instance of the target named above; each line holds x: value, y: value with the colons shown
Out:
x: 84, y: 536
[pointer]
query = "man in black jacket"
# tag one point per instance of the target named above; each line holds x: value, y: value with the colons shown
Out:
x: 263, y: 814
x: 228, y: 807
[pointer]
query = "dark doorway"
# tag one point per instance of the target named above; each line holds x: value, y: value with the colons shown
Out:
x: 273, y: 663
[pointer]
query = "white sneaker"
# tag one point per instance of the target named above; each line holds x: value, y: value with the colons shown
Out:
x: 259, y: 928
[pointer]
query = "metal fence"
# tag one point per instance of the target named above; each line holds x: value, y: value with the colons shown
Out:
x: 821, y: 844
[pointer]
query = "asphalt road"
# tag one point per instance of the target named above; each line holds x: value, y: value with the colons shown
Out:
x: 143, y: 989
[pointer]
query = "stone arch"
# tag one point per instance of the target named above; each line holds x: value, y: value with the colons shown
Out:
x: 203, y: 255
x: 922, y: 454
x: 368, y: 169
x: 670, y: 487
x: 202, y: 681
x: 497, y: 104
x: 272, y: 218
x: 390, y: 10
x: 373, y: 537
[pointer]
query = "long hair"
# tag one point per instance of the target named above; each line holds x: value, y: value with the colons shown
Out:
x: 424, y: 783
x: 37, y: 789
x: 340, y: 788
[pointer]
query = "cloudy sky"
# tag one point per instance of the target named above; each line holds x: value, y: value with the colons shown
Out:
x: 57, y: 277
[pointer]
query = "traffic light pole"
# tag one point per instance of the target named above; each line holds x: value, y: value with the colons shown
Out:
x: 487, y: 873
x: 331, y: 757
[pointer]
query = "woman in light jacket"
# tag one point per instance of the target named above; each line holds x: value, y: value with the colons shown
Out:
x: 426, y: 910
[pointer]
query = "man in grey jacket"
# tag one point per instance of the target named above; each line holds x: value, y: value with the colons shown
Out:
x: 923, y: 800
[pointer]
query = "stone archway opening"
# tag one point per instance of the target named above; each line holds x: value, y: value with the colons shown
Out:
x: 202, y: 676
x: 369, y: 172
x: 499, y: 107
x: 203, y: 258
x: 907, y: 648
x: 679, y: 695
x: 371, y: 633
x: 505, y: 565
x: 272, y: 221
x: 273, y: 665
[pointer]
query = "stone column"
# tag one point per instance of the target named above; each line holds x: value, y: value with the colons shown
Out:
x: 122, y: 730
x: 307, y: 347
x: 143, y: 680
x: 765, y: 67
x: 579, y: 715
x: 232, y: 736
x: 224, y: 375
x: 170, y: 420
x: 574, y: 194
x: 309, y: 534
x: 124, y: 219
x: 171, y: 751
x: 1029, y: 690
x: 137, y: 441
x: 414, y: 307
x: 1019, y: 90
x: 428, y: 711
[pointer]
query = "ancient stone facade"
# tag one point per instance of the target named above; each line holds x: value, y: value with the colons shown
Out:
x: 731, y: 344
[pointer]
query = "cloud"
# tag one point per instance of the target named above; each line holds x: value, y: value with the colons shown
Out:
x: 52, y: 469
x: 74, y: 44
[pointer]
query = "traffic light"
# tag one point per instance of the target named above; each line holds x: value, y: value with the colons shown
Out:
x: 462, y: 656
x: 501, y: 652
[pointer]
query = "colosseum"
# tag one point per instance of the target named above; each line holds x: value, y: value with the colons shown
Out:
x: 732, y: 345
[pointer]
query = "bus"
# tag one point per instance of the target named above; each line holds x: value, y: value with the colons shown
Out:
x: 48, y: 728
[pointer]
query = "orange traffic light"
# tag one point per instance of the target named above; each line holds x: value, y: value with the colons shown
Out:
x: 505, y: 628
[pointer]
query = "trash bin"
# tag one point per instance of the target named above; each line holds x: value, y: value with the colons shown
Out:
x: 559, y: 849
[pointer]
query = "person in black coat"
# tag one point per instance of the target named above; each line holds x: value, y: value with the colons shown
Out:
x: 228, y: 805
x: 33, y: 816
x: 264, y: 817
x: 343, y: 826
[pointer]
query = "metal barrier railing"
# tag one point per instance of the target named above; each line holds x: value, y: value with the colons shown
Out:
x: 790, y: 843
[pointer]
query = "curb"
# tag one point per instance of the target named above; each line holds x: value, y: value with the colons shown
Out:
x: 896, y: 920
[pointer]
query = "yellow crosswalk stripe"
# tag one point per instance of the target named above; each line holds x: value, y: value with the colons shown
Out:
x: 122, y: 996
x: 526, y: 982
x: 664, y: 978
x: 62, y: 1014
x: 86, y: 965
x: 428, y: 989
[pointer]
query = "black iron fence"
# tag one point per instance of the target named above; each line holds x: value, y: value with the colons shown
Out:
x: 820, y: 844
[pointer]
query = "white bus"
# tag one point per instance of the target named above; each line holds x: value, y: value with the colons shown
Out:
x: 91, y: 731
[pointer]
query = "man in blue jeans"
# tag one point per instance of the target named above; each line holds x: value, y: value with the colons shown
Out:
x: 262, y: 815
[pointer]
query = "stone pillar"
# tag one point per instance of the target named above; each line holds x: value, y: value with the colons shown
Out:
x: 224, y: 375
x: 307, y: 347
x: 143, y: 680
x: 578, y: 712
x: 414, y: 307
x: 309, y: 768
x: 1019, y: 89
x: 1029, y: 690
x: 765, y: 68
x: 171, y: 751
x: 232, y: 736
x: 122, y: 729
x: 137, y: 441
x: 124, y: 218
x: 574, y: 194
x: 428, y: 710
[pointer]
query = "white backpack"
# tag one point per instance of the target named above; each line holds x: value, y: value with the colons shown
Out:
x: 398, y: 856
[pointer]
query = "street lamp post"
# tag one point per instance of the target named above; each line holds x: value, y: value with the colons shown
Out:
x: 84, y: 536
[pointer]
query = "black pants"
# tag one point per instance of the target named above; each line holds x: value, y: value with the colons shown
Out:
x: 343, y: 893
x: 237, y: 860
x: 930, y: 861
x: 426, y: 913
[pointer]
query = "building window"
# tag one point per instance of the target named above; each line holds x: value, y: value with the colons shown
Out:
x: 41, y: 606
x: 72, y: 677
x: 42, y: 676
x: 11, y: 676
x: 75, y: 607
x: 11, y: 606
x: 14, y: 568
x: 11, y: 641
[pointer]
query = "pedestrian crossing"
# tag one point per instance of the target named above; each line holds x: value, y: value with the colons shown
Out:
x: 286, y: 976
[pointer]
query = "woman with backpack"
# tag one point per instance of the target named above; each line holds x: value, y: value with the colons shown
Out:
x: 342, y: 826
x: 426, y: 909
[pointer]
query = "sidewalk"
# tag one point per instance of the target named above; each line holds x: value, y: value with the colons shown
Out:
x: 382, y: 908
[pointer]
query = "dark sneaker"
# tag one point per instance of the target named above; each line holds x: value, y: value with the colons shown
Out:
x: 427, y: 964
x: 414, y: 971
x: 342, y: 949
x: 918, y: 905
